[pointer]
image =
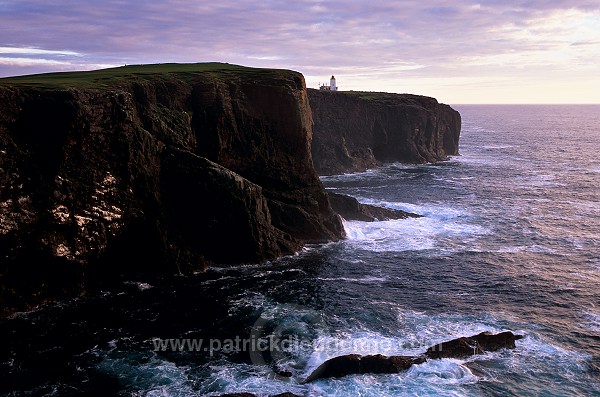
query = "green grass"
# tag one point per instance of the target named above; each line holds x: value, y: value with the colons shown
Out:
x: 382, y: 98
x: 113, y: 76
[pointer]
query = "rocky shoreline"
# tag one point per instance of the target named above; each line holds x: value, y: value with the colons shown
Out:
x: 171, y: 168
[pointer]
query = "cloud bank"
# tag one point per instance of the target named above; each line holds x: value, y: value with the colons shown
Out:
x: 461, y: 53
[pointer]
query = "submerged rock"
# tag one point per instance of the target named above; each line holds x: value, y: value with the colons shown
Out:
x: 350, y: 209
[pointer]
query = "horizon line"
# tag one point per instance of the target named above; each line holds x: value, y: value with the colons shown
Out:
x: 530, y: 103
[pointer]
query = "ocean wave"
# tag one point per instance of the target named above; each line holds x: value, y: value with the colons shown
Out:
x: 542, y: 180
x: 592, y: 322
x: 533, y: 248
x: 446, y: 228
x: 227, y: 377
x: 495, y: 147
x: 140, y: 285
x: 416, y: 331
x: 147, y: 373
x: 439, y: 378
x: 364, y: 280
x: 534, y: 356
x: 351, y: 176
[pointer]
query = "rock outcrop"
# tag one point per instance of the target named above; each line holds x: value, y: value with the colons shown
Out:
x: 351, y: 364
x: 354, y: 131
x: 152, y: 168
x: 472, y: 345
x: 350, y: 209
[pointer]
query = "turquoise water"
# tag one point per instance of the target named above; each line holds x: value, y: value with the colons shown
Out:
x: 509, y: 241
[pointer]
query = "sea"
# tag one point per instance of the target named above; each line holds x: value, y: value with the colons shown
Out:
x: 509, y: 241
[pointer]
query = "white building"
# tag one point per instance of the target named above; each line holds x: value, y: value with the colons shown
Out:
x: 331, y: 87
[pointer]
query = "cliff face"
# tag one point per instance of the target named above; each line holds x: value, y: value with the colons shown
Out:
x: 145, y: 169
x: 354, y: 131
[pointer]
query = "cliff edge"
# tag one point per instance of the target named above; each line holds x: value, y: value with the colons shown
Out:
x: 354, y: 131
x: 163, y: 168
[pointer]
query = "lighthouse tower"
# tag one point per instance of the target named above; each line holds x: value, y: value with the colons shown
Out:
x: 332, y: 85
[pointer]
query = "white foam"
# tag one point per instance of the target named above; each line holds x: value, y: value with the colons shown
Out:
x: 244, y: 378
x: 359, y: 342
x: 535, y: 248
x: 494, y: 147
x: 361, y: 280
x: 156, y: 377
x: 439, y: 226
x: 248, y: 300
x: 440, y: 378
x: 535, y: 351
x: 473, y: 159
x: 394, y: 235
x: 592, y: 321
x: 416, y: 332
x: 540, y: 180
x: 351, y: 176
x: 425, y: 329
x: 445, y: 371
x: 141, y: 286
x: 433, y: 210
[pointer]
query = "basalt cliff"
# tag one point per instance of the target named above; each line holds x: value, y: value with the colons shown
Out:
x: 354, y: 131
x: 171, y: 168
x: 163, y: 168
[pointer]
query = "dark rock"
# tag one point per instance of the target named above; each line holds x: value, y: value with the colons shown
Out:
x: 337, y: 367
x: 350, y: 209
x: 377, y: 364
x: 356, y: 364
x: 152, y: 172
x: 354, y: 131
x: 472, y: 345
x: 287, y: 394
x: 245, y: 226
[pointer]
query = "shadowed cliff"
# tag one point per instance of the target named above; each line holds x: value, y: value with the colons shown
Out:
x: 162, y: 168
x: 354, y: 131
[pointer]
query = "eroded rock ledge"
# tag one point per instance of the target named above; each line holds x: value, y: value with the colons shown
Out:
x: 350, y: 209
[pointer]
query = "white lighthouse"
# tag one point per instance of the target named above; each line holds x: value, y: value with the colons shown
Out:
x: 332, y: 85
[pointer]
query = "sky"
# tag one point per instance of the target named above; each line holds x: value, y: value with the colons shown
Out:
x: 524, y: 51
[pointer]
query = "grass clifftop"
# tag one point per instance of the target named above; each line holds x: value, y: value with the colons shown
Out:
x: 114, y: 77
